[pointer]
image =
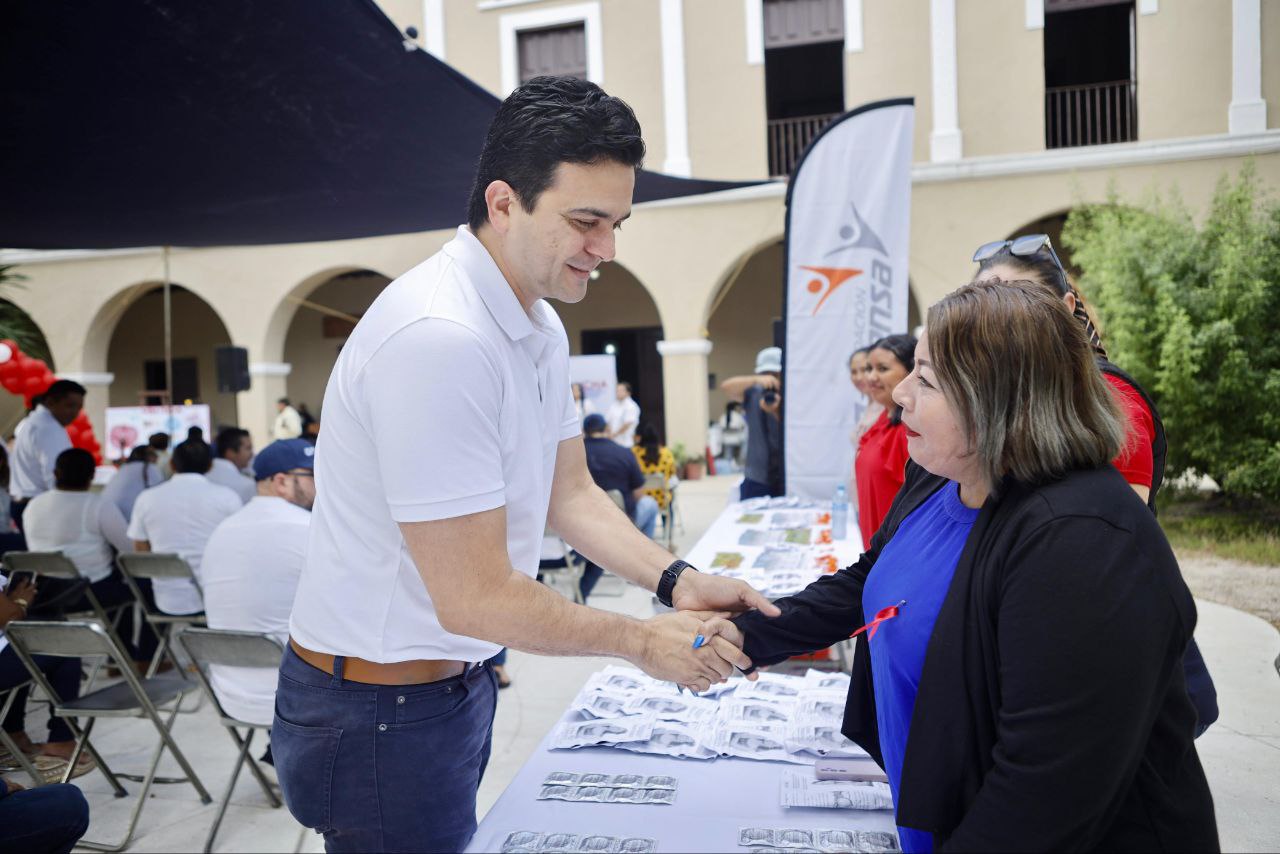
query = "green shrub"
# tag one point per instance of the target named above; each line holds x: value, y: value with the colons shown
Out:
x: 1193, y: 312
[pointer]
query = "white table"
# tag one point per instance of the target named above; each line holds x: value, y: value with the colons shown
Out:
x: 725, y: 531
x: 714, y: 799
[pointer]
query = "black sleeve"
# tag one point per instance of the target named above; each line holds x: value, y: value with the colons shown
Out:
x: 1089, y: 636
x: 830, y: 609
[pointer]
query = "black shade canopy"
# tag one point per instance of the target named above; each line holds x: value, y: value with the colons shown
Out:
x: 172, y: 122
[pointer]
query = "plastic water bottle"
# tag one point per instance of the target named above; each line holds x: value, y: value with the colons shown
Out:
x: 840, y: 514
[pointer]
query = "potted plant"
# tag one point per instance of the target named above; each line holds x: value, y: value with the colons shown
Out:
x: 690, y: 466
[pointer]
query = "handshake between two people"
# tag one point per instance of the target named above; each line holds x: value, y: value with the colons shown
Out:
x: 704, y: 604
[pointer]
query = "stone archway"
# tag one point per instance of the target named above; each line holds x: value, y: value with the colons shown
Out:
x: 619, y: 317
x: 135, y: 349
x: 322, y: 319
x: 741, y: 316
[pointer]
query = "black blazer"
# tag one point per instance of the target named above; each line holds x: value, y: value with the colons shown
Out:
x: 1052, y: 713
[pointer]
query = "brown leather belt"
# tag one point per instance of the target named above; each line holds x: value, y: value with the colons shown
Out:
x: 417, y: 672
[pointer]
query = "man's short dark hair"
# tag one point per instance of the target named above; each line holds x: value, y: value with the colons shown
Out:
x: 230, y: 439
x: 73, y: 469
x: 159, y: 441
x: 62, y: 388
x: 192, y: 457
x: 546, y: 122
x: 283, y: 400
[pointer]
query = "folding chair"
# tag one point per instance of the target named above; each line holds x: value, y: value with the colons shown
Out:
x: 58, y: 565
x: 24, y: 763
x: 556, y: 561
x: 232, y: 649
x: 133, y: 697
x: 658, y: 480
x: 153, y: 566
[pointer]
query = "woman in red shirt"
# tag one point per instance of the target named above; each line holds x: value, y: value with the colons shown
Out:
x: 882, y: 451
x: 1141, y: 461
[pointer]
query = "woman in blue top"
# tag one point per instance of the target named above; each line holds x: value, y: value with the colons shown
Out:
x: 1020, y: 677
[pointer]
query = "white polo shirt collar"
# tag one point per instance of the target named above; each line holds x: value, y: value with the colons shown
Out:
x: 489, y: 282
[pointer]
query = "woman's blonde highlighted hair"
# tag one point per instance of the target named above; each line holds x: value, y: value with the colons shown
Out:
x: 1020, y: 372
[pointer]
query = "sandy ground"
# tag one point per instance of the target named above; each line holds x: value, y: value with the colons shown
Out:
x: 1246, y: 586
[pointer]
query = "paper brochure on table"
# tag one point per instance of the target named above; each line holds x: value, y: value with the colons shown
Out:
x: 778, y: 718
x: 799, y: 788
x: 777, y: 545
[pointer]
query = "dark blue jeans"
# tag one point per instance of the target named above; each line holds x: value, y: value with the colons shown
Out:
x: 63, y: 674
x: 382, y: 767
x: 49, y: 819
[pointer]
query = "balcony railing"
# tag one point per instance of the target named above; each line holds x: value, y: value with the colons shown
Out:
x: 788, y: 139
x: 1095, y: 114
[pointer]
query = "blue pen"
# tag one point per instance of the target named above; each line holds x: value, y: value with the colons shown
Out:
x: 698, y: 643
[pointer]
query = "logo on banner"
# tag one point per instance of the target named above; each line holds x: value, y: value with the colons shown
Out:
x: 864, y: 251
x: 854, y: 235
x: 829, y: 278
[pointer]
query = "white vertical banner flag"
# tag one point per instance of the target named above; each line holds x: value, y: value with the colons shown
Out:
x: 848, y: 224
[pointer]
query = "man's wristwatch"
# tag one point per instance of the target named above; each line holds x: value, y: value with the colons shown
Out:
x: 667, y: 583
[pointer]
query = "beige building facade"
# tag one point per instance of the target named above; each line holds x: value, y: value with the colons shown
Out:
x: 716, y: 85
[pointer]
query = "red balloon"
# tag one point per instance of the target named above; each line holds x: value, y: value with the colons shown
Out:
x: 34, y: 385
x: 12, y: 383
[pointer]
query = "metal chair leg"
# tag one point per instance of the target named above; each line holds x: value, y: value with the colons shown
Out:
x: 83, y: 743
x: 167, y: 739
x: 231, y: 785
x: 137, y: 806
x: 8, y: 742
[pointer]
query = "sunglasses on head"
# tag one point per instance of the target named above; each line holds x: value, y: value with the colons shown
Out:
x: 1025, y: 246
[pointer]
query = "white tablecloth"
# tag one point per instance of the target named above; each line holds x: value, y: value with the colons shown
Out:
x: 714, y: 799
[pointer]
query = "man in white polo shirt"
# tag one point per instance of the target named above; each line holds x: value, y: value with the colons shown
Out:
x: 177, y: 517
x: 251, y: 567
x: 450, y: 441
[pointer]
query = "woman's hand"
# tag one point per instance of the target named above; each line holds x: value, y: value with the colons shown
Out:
x: 15, y: 602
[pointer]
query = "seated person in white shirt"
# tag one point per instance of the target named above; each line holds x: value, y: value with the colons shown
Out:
x: 177, y: 517
x: 89, y: 530
x: 138, y: 473
x: 233, y: 449
x: 251, y: 567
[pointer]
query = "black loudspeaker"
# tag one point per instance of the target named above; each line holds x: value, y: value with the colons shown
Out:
x: 233, y: 368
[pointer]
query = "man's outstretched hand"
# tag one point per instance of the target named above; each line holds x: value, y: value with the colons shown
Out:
x: 696, y: 591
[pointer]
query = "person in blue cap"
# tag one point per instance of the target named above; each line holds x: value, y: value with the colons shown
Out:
x: 614, y: 467
x: 251, y: 568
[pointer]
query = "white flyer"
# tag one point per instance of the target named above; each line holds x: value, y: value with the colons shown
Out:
x: 675, y: 738
x: 678, y: 708
x: 608, y: 731
x: 820, y: 740
x: 765, y: 742
x: 799, y: 788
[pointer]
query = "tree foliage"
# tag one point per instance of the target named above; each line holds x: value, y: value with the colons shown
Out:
x: 1193, y: 312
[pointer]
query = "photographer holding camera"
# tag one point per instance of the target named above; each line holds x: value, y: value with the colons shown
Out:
x: 761, y: 397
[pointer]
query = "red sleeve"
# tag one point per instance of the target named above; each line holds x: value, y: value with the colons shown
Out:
x: 1134, y: 460
x: 896, y: 456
